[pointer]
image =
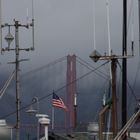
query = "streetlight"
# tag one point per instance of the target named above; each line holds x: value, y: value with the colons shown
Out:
x: 35, y: 100
x: 35, y: 111
x: 42, y: 118
x: 31, y: 109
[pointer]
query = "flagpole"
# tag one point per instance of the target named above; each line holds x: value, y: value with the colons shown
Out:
x: 52, y: 118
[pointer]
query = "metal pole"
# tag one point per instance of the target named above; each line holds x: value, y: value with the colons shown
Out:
x: 101, y: 123
x: 52, y: 118
x: 114, y: 98
x: 35, y: 99
x: 139, y: 23
x: 33, y: 25
x: 38, y: 127
x: 75, y: 110
x: 11, y: 133
x: 16, y: 25
x: 124, y: 66
x: 46, y: 132
x: 128, y: 125
x: 17, y: 81
x: 38, y: 130
x: 0, y: 25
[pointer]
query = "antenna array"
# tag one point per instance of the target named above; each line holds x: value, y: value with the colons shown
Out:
x: 9, y: 38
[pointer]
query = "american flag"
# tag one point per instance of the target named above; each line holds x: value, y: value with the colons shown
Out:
x: 58, y: 102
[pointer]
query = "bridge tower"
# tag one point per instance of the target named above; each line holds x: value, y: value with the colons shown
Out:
x: 71, y: 114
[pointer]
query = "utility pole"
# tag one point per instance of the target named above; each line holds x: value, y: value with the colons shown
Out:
x: 9, y: 38
x: 113, y: 58
x: 114, y: 98
x: 17, y: 79
x: 124, y: 66
x: 101, y: 120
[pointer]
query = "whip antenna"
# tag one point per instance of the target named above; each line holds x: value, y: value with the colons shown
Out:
x: 1, y: 26
x: 32, y: 25
x: 94, y: 25
x: 139, y: 23
x: 108, y: 27
x: 27, y: 16
x: 132, y: 32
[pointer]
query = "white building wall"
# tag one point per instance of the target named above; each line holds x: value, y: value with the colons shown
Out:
x: 135, y: 135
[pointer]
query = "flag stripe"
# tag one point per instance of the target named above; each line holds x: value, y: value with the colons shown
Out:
x: 58, y: 102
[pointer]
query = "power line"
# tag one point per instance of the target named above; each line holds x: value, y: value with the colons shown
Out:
x: 46, y: 96
x: 90, y: 67
x: 132, y: 90
x: 130, y: 14
x: 136, y: 76
x: 44, y: 66
x: 81, y: 61
x: 7, y: 83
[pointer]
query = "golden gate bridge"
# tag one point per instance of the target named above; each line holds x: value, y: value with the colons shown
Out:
x: 68, y: 77
x: 64, y: 76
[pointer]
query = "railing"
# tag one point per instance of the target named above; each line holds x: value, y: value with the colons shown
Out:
x: 129, y: 124
x: 43, y: 138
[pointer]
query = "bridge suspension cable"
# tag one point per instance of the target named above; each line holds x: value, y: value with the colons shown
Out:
x: 88, y: 66
x: 50, y: 94
x: 132, y: 90
x: 44, y: 66
x: 7, y: 83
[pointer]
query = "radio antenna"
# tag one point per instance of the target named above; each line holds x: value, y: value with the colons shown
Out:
x: 27, y: 16
x: 9, y: 38
x: 94, y: 25
x: 1, y: 26
x: 32, y: 25
x: 132, y: 31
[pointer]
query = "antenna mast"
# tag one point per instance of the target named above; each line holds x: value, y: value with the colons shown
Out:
x: 9, y: 38
x: 0, y: 25
x: 139, y: 23
x: 94, y: 24
x: 32, y: 24
x: 124, y: 66
x: 108, y: 27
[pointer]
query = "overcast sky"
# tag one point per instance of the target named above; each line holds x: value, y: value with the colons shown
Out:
x: 65, y: 27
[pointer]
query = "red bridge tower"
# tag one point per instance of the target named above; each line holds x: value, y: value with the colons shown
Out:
x: 71, y: 115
